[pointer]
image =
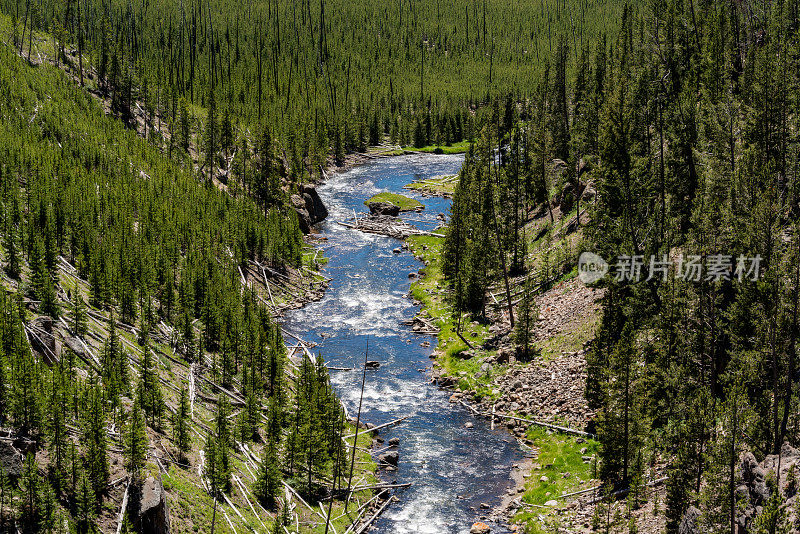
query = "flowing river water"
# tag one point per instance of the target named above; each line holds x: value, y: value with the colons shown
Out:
x: 453, y: 469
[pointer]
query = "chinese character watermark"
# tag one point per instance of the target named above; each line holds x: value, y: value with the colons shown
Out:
x: 689, y: 268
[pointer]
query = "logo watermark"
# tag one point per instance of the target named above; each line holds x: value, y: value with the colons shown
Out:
x: 690, y: 268
x: 591, y: 267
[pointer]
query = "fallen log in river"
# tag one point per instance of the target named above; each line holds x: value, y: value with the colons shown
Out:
x: 385, y: 225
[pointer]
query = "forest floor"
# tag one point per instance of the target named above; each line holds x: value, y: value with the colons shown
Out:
x: 190, y: 505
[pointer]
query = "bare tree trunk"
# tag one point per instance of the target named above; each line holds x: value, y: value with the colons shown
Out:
x: 358, y: 422
x: 80, y: 43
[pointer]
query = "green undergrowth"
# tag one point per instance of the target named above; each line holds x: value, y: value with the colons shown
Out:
x: 558, y: 469
x: 403, y: 202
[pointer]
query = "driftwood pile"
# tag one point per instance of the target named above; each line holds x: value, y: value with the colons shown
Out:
x: 423, y: 325
x: 385, y: 225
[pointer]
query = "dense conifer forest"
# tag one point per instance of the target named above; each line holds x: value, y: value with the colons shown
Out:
x: 675, y: 137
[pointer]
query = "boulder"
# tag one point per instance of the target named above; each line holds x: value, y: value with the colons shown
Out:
x: 480, y: 528
x: 567, y: 198
x: 689, y: 521
x: 584, y: 166
x: 384, y: 208
x: 303, y: 217
x: 316, y: 209
x: 754, y: 477
x: 394, y: 442
x: 309, y: 207
x: 389, y: 458
x: 151, y: 513
x: 76, y: 346
x: 45, y: 343
x: 589, y: 193
x: 10, y: 460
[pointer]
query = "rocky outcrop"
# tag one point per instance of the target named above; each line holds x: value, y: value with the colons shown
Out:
x: 44, y: 342
x: 151, y: 513
x: 384, y: 208
x: 753, y: 488
x: 690, y: 521
x: 10, y: 460
x: 309, y: 207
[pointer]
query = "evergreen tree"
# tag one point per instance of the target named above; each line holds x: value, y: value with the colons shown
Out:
x: 527, y: 316
x: 30, y: 495
x: 95, y: 441
x: 268, y: 484
x: 85, y: 503
x: 79, y: 325
x: 180, y: 425
x: 136, y: 442
x: 149, y: 390
x: 211, y: 138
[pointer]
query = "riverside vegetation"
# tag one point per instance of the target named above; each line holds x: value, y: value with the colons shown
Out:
x: 676, y: 136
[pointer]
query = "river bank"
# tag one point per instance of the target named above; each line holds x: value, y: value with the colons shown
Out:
x: 540, y: 402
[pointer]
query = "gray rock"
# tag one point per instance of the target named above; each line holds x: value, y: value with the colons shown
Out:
x: 389, y: 458
x: 152, y: 513
x: 10, y: 459
x: 309, y: 207
x: 754, y: 477
x: 480, y: 528
x: 384, y: 208
x: 316, y: 209
x: 689, y: 521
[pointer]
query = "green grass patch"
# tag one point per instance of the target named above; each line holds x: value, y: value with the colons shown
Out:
x: 559, y: 468
x: 455, y: 148
x: 438, y: 185
x: 403, y: 202
x: 431, y: 291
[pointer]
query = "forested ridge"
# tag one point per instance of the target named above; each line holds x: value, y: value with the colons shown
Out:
x: 678, y: 137
x: 325, y: 78
x: 139, y: 354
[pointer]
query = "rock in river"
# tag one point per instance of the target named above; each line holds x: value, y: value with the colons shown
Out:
x: 389, y: 458
x: 384, y: 208
x: 480, y: 528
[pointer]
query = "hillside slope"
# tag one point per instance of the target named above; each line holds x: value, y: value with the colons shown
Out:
x: 143, y: 381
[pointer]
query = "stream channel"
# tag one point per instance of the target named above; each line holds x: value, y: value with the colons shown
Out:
x: 453, y: 469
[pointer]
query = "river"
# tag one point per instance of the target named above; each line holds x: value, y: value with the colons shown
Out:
x: 453, y: 469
